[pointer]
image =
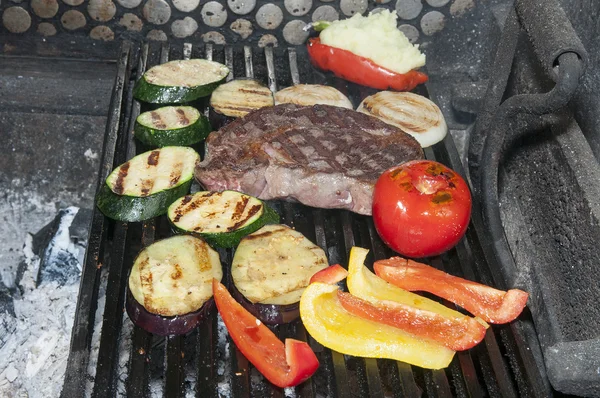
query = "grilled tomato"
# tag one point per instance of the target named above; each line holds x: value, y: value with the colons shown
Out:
x: 421, y: 208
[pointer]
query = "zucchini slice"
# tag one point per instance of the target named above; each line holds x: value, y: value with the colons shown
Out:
x: 274, y: 265
x: 171, y: 125
x: 146, y: 185
x: 221, y: 218
x: 176, y: 82
x: 239, y: 97
x: 412, y: 113
x: 174, y: 276
x: 312, y: 94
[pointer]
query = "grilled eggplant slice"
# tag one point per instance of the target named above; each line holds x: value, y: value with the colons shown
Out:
x: 220, y: 218
x: 171, y: 125
x: 271, y: 268
x: 171, y: 284
x: 180, y: 81
x: 146, y: 185
x: 312, y: 94
x: 412, y: 113
x: 239, y: 97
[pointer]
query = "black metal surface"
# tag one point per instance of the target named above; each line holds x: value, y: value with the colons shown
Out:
x: 549, y: 31
x: 206, y: 363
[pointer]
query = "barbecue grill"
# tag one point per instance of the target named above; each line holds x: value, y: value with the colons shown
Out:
x: 529, y: 156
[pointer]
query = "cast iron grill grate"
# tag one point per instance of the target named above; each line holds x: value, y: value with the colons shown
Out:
x: 109, y: 356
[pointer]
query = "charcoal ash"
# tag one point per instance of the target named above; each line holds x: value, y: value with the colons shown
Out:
x: 36, y: 313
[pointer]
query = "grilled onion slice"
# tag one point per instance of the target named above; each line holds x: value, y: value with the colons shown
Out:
x: 414, y: 114
x: 239, y: 97
x: 312, y: 94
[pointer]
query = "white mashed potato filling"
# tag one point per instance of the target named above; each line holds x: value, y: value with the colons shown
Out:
x: 377, y: 38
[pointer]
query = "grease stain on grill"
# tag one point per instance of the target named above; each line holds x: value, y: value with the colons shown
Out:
x: 44, y: 8
x: 186, y: 5
x: 437, y: 3
x: 294, y: 33
x: 102, y: 33
x: 432, y: 22
x: 298, y: 8
x: 241, y: 7
x: 268, y: 40
x: 460, y: 7
x: 156, y: 35
x: 351, y: 7
x: 129, y: 3
x: 409, y: 9
x: 411, y: 33
x: 131, y: 22
x: 325, y: 13
x: 242, y: 27
x: 157, y: 12
x: 269, y: 16
x: 73, y: 2
x: 213, y: 37
x: 73, y: 20
x: 16, y: 19
x: 46, y: 29
x: 184, y: 27
x: 101, y: 10
x: 214, y: 14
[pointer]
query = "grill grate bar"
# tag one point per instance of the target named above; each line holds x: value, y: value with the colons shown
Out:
x: 140, y: 347
x: 229, y: 62
x: 271, y: 69
x: 293, y: 60
x: 248, y: 61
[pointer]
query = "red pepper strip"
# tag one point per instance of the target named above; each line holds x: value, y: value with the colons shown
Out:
x: 492, y: 305
x: 331, y: 275
x: 361, y: 70
x: 456, y: 334
x: 284, y: 366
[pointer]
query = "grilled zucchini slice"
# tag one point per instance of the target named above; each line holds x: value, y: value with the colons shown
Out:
x: 239, y: 97
x: 180, y: 81
x: 171, y: 125
x: 312, y: 94
x: 146, y: 185
x: 220, y: 218
x: 174, y: 276
x: 274, y: 265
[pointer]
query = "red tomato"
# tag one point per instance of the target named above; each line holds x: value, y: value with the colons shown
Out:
x: 421, y: 208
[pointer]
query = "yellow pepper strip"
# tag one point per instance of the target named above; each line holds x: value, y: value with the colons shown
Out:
x: 334, y: 327
x: 364, y: 284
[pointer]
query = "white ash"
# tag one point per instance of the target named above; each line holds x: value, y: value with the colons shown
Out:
x: 33, y: 358
x: 224, y: 385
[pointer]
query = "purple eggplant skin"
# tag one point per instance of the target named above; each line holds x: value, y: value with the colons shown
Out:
x: 269, y: 314
x: 165, y: 325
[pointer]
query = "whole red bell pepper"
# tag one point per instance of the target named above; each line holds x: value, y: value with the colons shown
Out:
x: 492, y: 305
x: 283, y: 365
x: 361, y: 70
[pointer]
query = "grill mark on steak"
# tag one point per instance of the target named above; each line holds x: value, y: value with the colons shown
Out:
x: 123, y: 171
x: 305, y: 153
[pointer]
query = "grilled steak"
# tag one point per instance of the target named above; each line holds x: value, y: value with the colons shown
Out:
x: 322, y: 156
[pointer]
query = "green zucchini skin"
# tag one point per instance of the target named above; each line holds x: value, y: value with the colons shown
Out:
x: 232, y: 239
x: 185, y: 136
x: 135, y: 208
x: 155, y: 94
